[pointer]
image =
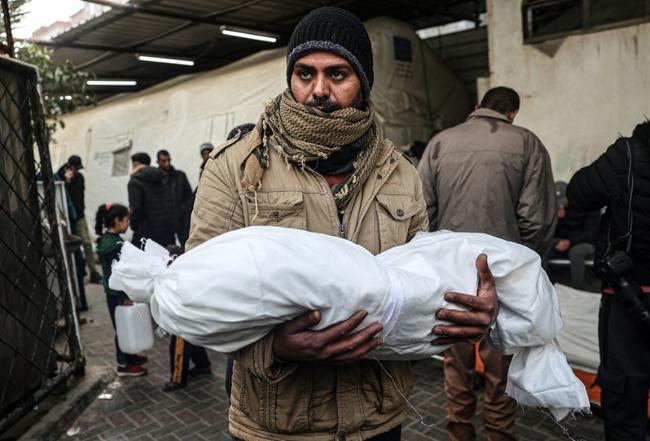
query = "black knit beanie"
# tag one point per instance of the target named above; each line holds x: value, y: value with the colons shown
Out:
x: 333, y: 30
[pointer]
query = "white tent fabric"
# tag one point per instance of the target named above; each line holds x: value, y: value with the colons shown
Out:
x: 411, y: 97
x: 579, y: 337
x: 233, y: 289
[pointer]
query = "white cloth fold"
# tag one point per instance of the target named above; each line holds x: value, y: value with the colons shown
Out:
x: 232, y: 290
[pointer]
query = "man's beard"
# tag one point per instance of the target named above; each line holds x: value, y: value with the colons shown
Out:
x: 325, y: 104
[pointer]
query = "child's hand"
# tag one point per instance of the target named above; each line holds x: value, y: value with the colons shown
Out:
x: 127, y: 302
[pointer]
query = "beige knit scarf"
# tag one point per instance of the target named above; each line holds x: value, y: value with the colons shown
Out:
x: 301, y: 134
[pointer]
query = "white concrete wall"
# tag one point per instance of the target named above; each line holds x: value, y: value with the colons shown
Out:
x: 580, y: 94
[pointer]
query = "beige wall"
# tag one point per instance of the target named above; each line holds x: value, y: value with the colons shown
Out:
x: 578, y: 92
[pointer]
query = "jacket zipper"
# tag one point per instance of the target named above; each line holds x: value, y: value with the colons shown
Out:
x: 341, y: 224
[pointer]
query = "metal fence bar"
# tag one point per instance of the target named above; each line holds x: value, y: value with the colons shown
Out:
x: 40, y: 340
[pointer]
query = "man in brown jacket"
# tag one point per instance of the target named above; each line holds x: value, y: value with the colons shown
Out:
x: 489, y: 176
x: 316, y: 161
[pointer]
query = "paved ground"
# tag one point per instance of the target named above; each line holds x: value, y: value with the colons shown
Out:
x: 136, y: 408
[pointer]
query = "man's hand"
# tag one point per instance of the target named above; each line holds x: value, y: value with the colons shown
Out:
x: 294, y: 341
x: 562, y: 245
x: 483, y: 308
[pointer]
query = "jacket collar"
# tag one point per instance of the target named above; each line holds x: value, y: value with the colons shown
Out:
x: 488, y: 113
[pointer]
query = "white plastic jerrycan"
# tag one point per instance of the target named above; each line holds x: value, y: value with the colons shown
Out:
x: 134, y: 330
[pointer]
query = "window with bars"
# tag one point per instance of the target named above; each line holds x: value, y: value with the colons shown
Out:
x: 121, y: 161
x: 546, y: 19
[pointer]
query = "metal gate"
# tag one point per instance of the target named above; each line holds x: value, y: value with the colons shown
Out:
x: 40, y: 345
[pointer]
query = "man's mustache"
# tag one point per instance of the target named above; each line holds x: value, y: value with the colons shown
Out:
x: 323, y: 103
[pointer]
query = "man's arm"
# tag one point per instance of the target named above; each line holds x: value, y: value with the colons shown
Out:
x: 420, y: 221
x: 136, y: 204
x: 593, y: 186
x: 187, y: 190
x: 536, y: 206
x: 426, y: 170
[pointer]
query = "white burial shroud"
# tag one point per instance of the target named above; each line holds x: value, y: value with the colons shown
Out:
x: 232, y: 290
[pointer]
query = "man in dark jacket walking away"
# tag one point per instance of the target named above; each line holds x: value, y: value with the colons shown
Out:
x: 76, y: 188
x: 487, y: 175
x: 151, y: 204
x: 620, y: 181
x: 180, y: 189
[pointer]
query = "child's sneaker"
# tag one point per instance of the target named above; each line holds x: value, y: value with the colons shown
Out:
x: 131, y: 371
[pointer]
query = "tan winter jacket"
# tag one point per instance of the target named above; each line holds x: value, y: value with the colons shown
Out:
x: 294, y: 401
x: 489, y: 176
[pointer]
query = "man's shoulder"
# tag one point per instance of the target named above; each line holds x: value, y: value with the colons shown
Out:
x: 235, y: 151
x: 617, y: 155
x: 524, y: 131
x: 404, y: 170
x: 237, y: 143
x: 133, y: 181
x: 180, y: 173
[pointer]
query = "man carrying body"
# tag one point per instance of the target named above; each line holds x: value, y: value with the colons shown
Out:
x: 487, y: 175
x: 150, y: 204
x: 316, y: 161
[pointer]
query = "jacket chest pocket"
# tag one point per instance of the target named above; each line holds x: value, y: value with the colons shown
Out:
x: 278, y: 209
x: 394, y: 213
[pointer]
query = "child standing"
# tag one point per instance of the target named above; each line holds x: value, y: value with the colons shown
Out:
x: 112, y: 220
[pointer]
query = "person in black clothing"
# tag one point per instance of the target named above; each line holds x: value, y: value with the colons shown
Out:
x: 151, y: 204
x: 180, y: 189
x: 76, y: 187
x: 620, y: 181
x: 574, y: 237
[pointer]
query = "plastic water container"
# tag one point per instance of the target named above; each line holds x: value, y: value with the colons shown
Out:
x: 134, y: 329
